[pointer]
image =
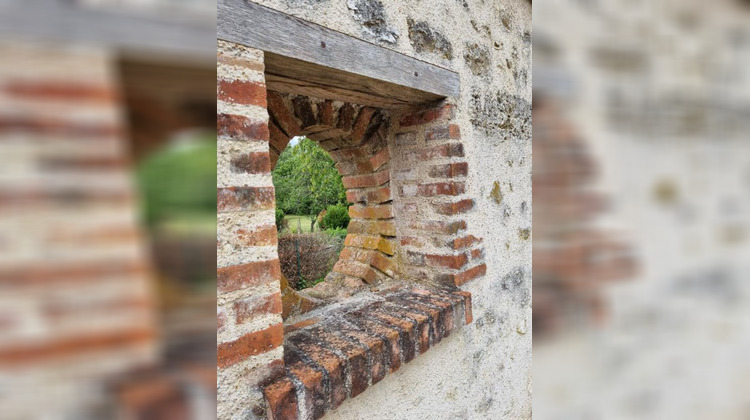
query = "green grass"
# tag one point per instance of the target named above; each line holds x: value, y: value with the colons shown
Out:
x: 304, y: 221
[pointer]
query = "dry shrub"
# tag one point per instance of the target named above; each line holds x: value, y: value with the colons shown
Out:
x: 318, y: 252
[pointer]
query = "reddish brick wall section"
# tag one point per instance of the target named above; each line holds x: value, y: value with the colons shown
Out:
x: 75, y: 301
x: 429, y: 174
x: 573, y: 257
x: 356, y: 138
x: 341, y: 356
x: 429, y: 178
x: 423, y: 238
x: 250, y: 329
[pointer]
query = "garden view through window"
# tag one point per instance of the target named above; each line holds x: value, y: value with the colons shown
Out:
x: 311, y: 212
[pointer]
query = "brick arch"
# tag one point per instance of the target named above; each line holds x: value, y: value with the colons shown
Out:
x: 356, y: 138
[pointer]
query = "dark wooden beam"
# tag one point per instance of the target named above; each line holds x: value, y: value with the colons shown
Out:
x: 302, y: 57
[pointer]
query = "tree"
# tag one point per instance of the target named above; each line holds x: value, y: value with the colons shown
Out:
x: 306, y: 179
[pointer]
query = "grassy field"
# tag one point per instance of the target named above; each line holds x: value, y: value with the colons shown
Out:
x: 304, y: 222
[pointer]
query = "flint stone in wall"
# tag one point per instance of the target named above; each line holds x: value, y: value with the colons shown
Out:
x: 425, y: 39
x: 501, y: 115
x: 478, y: 59
x: 371, y: 14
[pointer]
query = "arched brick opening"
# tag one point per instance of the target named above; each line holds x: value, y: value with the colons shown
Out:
x: 407, y: 249
x: 409, y: 227
x: 356, y: 138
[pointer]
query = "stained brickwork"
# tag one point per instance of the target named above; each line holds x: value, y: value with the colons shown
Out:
x: 75, y: 301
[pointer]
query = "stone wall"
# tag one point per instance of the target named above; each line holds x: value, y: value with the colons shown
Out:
x: 658, y: 96
x: 460, y: 198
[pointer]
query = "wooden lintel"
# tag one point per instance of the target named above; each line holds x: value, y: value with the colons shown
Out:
x: 302, y: 57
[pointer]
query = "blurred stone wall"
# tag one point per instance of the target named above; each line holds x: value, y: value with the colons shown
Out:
x: 658, y: 95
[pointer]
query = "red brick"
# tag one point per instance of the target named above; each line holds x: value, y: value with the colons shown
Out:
x: 315, y: 393
x: 278, y: 109
x: 251, y: 344
x: 251, y: 163
x: 278, y: 140
x: 333, y: 365
x: 446, y: 323
x: 378, y: 350
x: 356, y: 269
x: 255, y: 306
x: 450, y: 170
x: 356, y: 358
x: 464, y: 242
x: 325, y: 111
x: 450, y: 209
x: 62, y: 91
x: 361, y: 124
x: 346, y: 117
x: 464, y: 276
x: 245, y: 199
x: 237, y: 127
x: 449, y: 261
x: 443, y: 132
x: 282, y: 400
x: 253, y: 65
x: 423, y: 117
x: 368, y: 227
x: 261, y: 236
x: 369, y: 180
x: 412, y: 241
x: 477, y: 253
x: 420, y: 319
x: 391, y: 334
x: 440, y: 188
x: 437, y: 318
x: 429, y: 153
x: 447, y: 228
x: 371, y: 242
x: 467, y: 305
x: 58, y: 127
x: 30, y: 352
x: 380, y: 158
x: 241, y: 92
x: 408, y: 331
x: 247, y: 275
x: 371, y: 212
x: 303, y: 110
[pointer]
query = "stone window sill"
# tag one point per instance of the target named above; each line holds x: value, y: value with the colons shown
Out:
x: 338, y: 353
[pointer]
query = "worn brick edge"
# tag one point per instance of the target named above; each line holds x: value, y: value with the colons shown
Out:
x: 338, y: 358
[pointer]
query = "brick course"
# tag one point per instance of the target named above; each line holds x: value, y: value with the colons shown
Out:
x: 339, y: 357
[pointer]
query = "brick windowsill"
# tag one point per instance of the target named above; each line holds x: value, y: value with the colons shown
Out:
x: 332, y: 358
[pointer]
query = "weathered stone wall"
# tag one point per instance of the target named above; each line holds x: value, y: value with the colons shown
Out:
x: 482, y: 370
x: 658, y: 94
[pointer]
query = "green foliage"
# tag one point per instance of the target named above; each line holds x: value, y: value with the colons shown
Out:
x: 306, y: 180
x: 337, y: 217
x: 337, y: 232
x: 304, y: 284
x: 279, y: 219
x: 179, y: 181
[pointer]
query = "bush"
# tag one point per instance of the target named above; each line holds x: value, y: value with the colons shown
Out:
x: 336, y: 217
x: 279, y: 219
x: 318, y: 252
x: 337, y: 233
